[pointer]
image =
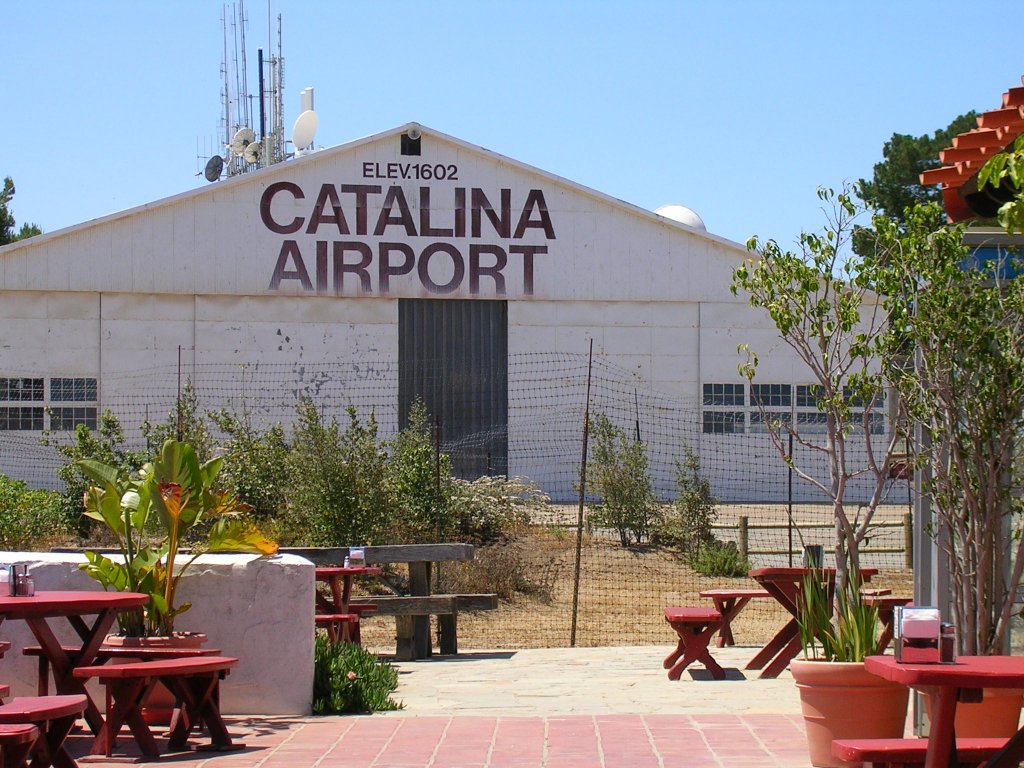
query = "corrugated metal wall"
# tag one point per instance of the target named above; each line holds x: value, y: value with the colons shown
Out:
x: 453, y: 354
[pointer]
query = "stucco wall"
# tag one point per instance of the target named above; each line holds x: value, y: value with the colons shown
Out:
x: 257, y: 609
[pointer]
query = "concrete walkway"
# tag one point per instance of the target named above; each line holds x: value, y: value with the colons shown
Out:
x: 564, y: 708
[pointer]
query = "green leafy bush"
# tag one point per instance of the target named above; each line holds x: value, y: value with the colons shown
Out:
x: 618, y: 470
x: 340, y: 489
x: 29, y: 518
x: 421, y: 481
x: 719, y: 558
x: 687, y: 527
x: 255, y: 462
x: 347, y: 678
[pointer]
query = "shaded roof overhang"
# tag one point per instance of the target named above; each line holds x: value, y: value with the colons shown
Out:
x: 997, y: 129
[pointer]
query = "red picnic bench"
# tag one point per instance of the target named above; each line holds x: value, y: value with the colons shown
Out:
x: 16, y: 741
x: 729, y: 602
x: 195, y: 683
x: 54, y: 717
x: 910, y: 753
x: 694, y: 626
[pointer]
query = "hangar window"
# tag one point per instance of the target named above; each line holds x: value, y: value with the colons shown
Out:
x: 759, y: 421
x: 723, y: 422
x: 54, y: 397
x: 724, y: 394
x: 14, y: 414
x: 79, y: 390
x: 771, y: 395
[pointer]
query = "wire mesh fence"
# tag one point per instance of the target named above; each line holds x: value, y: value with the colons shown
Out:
x: 621, y: 592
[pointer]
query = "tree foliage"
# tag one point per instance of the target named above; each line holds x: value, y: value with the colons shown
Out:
x: 7, y: 222
x: 965, y: 387
x: 895, y: 184
x: 619, y: 475
x: 821, y: 303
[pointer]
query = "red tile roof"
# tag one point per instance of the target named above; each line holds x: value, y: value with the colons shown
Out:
x: 996, y: 131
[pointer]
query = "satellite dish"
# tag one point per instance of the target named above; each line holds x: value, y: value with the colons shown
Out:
x: 305, y: 129
x: 242, y: 139
x: 214, y: 167
x: 252, y: 153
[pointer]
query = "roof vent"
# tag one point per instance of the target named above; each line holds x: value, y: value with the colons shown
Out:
x: 683, y: 215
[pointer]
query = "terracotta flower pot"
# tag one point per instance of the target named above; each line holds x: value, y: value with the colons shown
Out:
x: 840, y: 700
x: 996, y: 715
x: 159, y: 705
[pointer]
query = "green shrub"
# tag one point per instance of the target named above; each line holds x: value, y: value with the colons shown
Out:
x: 255, y: 463
x: 106, y: 444
x: 347, y: 678
x: 29, y: 519
x: 719, y: 558
x: 421, y: 481
x: 618, y: 471
x: 687, y: 528
x: 340, y: 489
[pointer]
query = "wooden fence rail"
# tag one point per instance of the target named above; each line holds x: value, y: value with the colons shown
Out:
x: 743, y: 528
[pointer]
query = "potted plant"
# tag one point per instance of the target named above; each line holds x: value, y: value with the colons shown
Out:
x: 152, y: 513
x: 840, y: 699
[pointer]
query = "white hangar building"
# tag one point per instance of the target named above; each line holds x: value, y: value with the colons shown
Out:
x: 388, y: 269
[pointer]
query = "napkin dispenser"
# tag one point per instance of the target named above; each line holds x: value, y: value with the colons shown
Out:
x: 916, y: 635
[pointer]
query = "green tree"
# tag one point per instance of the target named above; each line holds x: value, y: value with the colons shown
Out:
x: 255, y: 462
x: 821, y: 302
x: 7, y: 223
x: 618, y: 471
x: 422, y: 481
x: 896, y: 184
x: 965, y: 388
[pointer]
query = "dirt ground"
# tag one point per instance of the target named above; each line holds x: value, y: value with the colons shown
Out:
x: 621, y: 597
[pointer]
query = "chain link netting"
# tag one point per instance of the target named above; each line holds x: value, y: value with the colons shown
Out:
x: 768, y: 512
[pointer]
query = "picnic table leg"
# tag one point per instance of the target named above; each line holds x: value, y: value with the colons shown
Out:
x: 693, y: 646
x: 775, y: 646
x: 729, y: 607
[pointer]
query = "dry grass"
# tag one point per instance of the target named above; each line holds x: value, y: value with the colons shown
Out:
x: 621, y: 599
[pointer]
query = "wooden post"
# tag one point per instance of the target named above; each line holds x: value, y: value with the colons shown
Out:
x: 744, y: 537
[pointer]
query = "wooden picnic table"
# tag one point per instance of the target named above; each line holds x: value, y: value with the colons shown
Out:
x: 729, y: 602
x: 39, y: 609
x: 786, y: 586
x: 945, y: 685
x: 340, y: 579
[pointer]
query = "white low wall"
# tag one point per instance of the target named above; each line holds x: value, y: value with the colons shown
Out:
x: 258, y: 609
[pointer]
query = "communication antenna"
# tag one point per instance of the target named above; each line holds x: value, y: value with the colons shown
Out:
x: 305, y: 129
x: 214, y: 168
x: 243, y: 138
x: 252, y: 153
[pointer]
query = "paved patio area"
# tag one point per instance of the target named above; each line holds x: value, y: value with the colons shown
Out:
x: 564, y: 708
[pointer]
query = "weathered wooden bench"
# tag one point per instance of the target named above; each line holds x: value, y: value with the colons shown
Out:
x: 694, y: 626
x: 910, y: 753
x: 16, y: 741
x: 54, y: 716
x: 729, y: 602
x: 195, y: 683
x: 405, y: 609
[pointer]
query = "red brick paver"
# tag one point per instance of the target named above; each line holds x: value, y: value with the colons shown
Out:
x: 557, y: 741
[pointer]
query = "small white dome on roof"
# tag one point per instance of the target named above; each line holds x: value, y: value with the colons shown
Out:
x: 683, y: 215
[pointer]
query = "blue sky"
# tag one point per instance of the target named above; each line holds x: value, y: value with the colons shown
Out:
x: 738, y: 110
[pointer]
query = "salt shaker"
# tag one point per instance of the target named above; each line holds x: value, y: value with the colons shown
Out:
x: 947, y: 644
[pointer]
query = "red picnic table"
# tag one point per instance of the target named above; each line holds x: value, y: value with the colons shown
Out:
x: 36, y: 611
x: 729, y: 602
x: 340, y: 579
x: 945, y: 685
x: 786, y: 586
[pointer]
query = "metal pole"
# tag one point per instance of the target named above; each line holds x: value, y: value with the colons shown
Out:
x: 583, y: 492
x: 789, y: 506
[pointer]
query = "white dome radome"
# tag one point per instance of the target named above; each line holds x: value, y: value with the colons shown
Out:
x: 683, y: 215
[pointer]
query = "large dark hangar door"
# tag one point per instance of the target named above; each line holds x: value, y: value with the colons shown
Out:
x: 453, y: 355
